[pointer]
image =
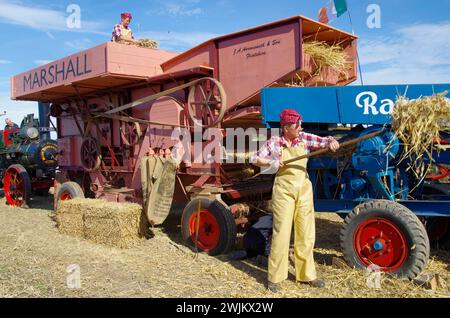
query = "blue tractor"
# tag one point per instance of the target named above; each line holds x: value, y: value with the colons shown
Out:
x: 390, y: 215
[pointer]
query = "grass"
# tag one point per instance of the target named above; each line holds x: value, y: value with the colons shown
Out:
x: 164, y: 267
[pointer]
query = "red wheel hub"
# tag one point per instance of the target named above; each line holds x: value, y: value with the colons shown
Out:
x: 379, y: 241
x: 208, y: 230
x: 66, y: 196
x: 14, y: 187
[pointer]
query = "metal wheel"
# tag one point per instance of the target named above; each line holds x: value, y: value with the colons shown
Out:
x: 90, y: 154
x: 69, y: 190
x: 207, y: 103
x: 130, y: 133
x: 215, y: 224
x: 386, y: 234
x: 379, y: 241
x: 17, y: 186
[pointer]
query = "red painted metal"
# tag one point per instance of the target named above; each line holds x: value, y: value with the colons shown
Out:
x: 65, y: 196
x: 208, y: 230
x: 14, y: 187
x: 7, y: 135
x: 444, y: 172
x: 201, y: 181
x: 394, y: 248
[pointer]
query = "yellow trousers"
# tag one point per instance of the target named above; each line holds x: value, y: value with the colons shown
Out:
x: 292, y: 203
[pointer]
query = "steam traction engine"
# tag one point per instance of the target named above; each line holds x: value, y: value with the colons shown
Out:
x: 28, y: 160
x: 117, y: 107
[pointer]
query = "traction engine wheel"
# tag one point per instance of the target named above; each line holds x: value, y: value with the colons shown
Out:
x: 216, y: 226
x: 17, y: 186
x: 90, y: 154
x: 207, y: 102
x: 386, y: 234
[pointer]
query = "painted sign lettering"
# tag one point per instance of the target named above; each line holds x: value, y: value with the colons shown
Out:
x: 58, y: 72
x: 260, y: 47
x: 368, y: 101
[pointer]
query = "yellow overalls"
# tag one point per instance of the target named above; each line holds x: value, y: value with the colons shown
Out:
x: 126, y: 33
x: 292, y: 202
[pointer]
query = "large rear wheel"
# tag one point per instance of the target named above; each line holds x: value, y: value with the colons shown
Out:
x: 209, y: 225
x: 388, y: 235
x: 17, y: 186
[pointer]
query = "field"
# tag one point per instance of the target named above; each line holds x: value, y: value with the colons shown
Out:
x: 34, y: 259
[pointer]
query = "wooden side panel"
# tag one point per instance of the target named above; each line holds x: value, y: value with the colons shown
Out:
x: 76, y: 67
x: 250, y: 62
x: 165, y: 110
x: 203, y: 55
x: 70, y: 155
x: 136, y: 61
x: 68, y: 127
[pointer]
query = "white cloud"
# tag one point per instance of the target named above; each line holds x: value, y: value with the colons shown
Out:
x: 178, y: 40
x: 413, y: 54
x: 41, y: 62
x: 42, y: 19
x: 79, y: 44
x: 50, y: 35
x: 180, y: 8
x: 177, y: 9
x: 5, y: 62
x: 16, y: 110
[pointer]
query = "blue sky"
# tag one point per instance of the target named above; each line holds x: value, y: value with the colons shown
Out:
x: 412, y: 45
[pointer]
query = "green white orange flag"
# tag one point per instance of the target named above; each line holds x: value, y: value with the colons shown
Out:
x: 333, y: 10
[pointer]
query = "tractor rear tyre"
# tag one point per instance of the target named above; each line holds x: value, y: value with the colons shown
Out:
x: 386, y: 234
x: 215, y: 231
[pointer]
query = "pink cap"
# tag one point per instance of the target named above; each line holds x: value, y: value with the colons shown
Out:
x: 289, y: 116
x: 126, y: 15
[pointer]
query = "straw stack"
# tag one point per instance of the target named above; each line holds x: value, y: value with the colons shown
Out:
x: 148, y: 43
x: 324, y: 54
x: 418, y: 123
x: 109, y: 223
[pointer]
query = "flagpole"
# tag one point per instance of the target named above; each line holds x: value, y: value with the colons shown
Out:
x: 357, y: 54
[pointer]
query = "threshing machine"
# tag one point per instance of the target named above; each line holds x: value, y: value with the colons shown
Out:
x: 117, y: 107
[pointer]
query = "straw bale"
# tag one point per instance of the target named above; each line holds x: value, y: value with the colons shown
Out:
x: 109, y: 223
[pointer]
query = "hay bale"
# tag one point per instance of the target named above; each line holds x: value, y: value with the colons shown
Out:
x: 69, y: 220
x: 114, y: 224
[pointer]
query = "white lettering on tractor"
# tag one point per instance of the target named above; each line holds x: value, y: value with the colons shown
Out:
x: 368, y: 101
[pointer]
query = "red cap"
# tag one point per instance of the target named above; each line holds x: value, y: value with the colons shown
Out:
x: 289, y: 116
x: 125, y: 15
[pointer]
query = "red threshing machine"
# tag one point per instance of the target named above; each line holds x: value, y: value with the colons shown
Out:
x: 117, y: 106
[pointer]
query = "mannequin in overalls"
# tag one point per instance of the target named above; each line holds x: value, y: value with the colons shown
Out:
x: 292, y: 200
x: 122, y: 32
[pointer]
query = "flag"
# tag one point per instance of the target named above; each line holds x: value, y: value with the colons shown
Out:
x: 333, y: 10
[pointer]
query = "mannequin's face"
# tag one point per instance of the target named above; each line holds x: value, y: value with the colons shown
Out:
x: 291, y: 131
